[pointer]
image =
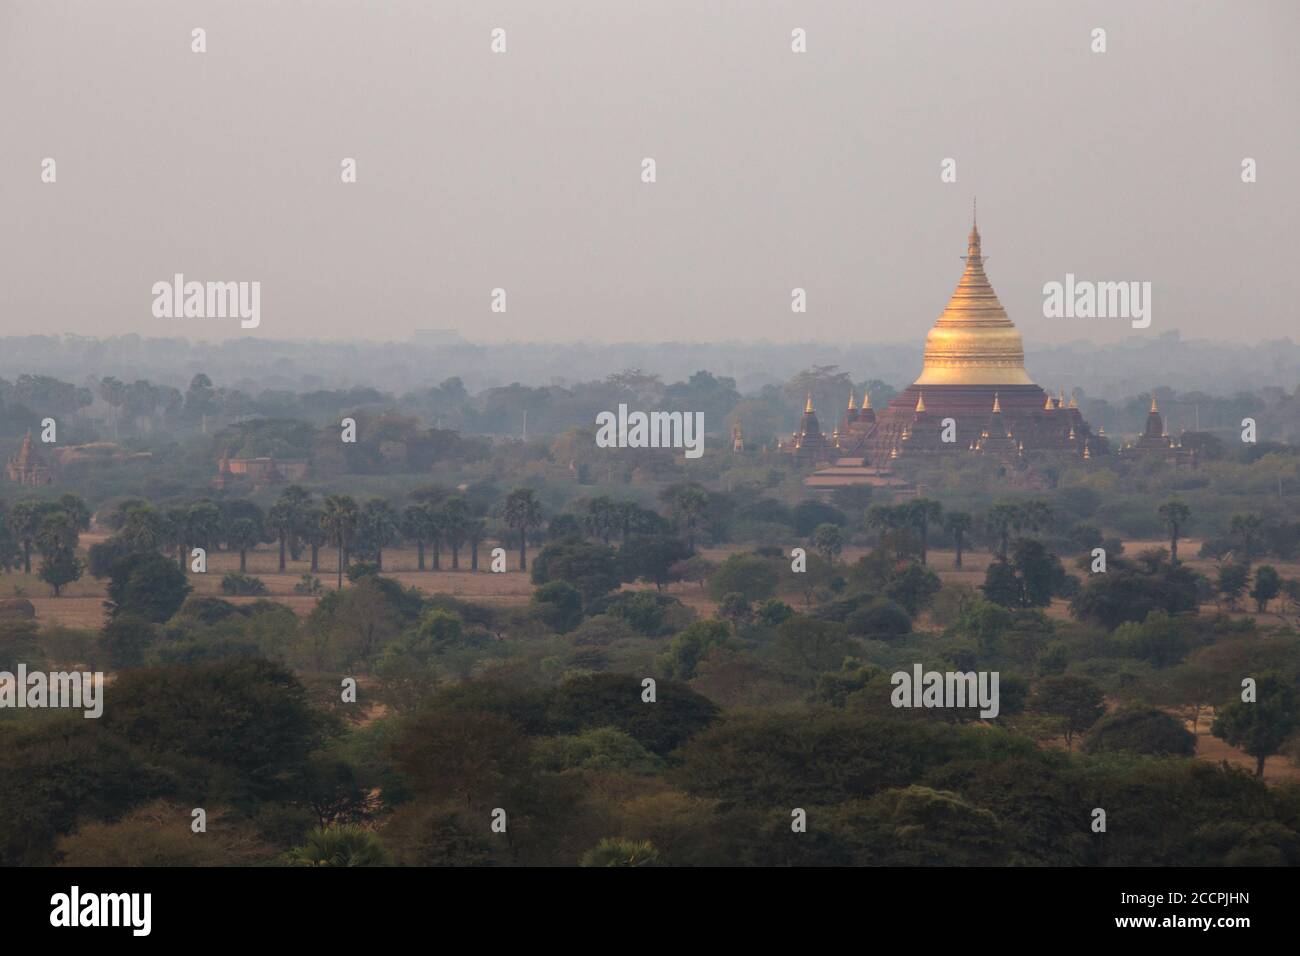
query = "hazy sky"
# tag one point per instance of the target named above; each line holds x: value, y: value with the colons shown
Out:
x: 523, y: 170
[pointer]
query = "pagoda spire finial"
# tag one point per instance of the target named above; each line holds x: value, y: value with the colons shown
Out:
x: 808, y: 405
x: 920, y: 402
x: 866, y: 400
x: 852, y: 404
x: 1154, y: 406
x: 997, y: 405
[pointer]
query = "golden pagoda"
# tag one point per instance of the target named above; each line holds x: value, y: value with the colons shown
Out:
x: 974, y: 358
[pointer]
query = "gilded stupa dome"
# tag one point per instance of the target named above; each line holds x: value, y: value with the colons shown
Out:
x: 973, y: 342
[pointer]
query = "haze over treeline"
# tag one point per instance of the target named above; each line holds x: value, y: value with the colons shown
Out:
x: 1212, y: 367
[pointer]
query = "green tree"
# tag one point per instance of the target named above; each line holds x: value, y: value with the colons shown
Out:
x: 560, y: 604
x: 1262, y: 726
x: 125, y: 639
x: 752, y: 576
x: 146, y: 585
x: 602, y: 519
x: 1268, y: 585
x: 691, y: 646
x: 828, y: 541
x: 1076, y: 701
x: 652, y: 557
x: 1233, y: 578
x: 591, y: 568
x: 24, y: 519
x: 1140, y: 730
x: 914, y: 588
x: 56, y: 539
x: 1248, y: 527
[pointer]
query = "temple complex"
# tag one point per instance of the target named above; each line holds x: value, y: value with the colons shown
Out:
x: 1155, y: 443
x: 973, y: 397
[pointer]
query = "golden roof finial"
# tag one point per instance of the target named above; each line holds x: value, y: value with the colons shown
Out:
x: 997, y: 405
x: 852, y: 406
x: 920, y: 402
x: 1047, y: 404
x: 866, y: 400
x: 808, y: 405
x: 1154, y: 406
x: 1074, y: 402
x: 1060, y: 398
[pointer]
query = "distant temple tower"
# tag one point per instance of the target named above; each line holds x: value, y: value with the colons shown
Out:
x: 810, y: 443
x: 737, y: 439
x: 1154, y: 442
x: 28, y: 467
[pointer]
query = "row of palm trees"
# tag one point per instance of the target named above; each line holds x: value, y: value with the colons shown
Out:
x: 435, y: 519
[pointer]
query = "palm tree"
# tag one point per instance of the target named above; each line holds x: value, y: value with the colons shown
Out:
x: 523, y: 512
x: 455, y: 520
x: 474, y: 532
x: 379, y: 525
x: 1175, y: 515
x: 882, y: 518
x: 1002, y: 518
x: 339, y: 519
x: 958, y: 524
x: 282, y: 520
x: 203, y: 525
x: 298, y: 500
x: 924, y: 512
x: 243, y: 534
x: 346, y: 845
x: 144, y: 529
x: 688, y: 504
x: 310, y: 531
x: 417, y: 525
